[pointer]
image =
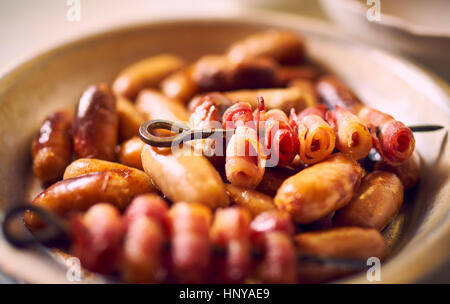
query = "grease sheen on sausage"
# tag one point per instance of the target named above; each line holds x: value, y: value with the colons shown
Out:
x: 52, y: 147
x: 375, y: 205
x: 96, y: 124
x: 79, y: 193
x: 320, y: 189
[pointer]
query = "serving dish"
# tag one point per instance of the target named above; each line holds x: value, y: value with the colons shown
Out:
x: 419, y: 235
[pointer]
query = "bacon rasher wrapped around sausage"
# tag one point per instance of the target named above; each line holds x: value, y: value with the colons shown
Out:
x: 317, y: 138
x: 271, y: 232
x: 353, y: 136
x: 393, y: 140
x: 231, y: 231
x: 190, y: 243
x: 245, y: 160
x: 279, y: 137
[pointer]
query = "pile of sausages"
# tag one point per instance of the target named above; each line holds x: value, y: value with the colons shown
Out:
x: 297, y: 175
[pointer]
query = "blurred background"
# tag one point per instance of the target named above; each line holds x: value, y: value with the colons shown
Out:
x: 419, y: 30
x: 415, y: 29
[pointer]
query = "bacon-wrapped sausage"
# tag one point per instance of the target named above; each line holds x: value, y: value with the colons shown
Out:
x: 245, y: 161
x: 283, y: 46
x: 352, y: 135
x: 279, y: 265
x: 317, y: 139
x: 148, y: 205
x: 96, y: 238
x: 96, y: 124
x: 393, y: 140
x: 52, y: 147
x: 320, y: 189
x: 190, y: 243
x: 279, y: 137
x: 147, y: 224
x: 231, y: 230
x: 271, y: 221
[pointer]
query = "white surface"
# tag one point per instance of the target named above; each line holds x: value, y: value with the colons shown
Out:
x: 30, y: 25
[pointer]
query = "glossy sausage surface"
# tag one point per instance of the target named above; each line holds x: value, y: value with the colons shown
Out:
x: 146, y: 73
x: 283, y: 46
x: 188, y: 178
x: 180, y: 85
x: 320, y: 189
x: 130, y: 153
x: 79, y: 193
x: 375, y: 205
x: 96, y: 124
x: 255, y: 202
x: 52, y: 147
x: 130, y: 119
x: 154, y: 105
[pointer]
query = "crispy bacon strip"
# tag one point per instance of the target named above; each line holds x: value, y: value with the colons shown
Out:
x: 393, y: 140
x: 317, y: 138
x: 231, y: 230
x: 353, y: 136
x: 96, y: 238
x: 245, y: 160
x: 190, y: 244
x: 270, y: 221
x: 279, y: 137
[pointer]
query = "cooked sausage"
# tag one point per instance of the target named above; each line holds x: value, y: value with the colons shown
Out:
x: 408, y: 172
x: 333, y: 92
x: 146, y: 73
x: 283, y: 46
x: 273, y: 178
x: 130, y: 153
x: 375, y: 205
x: 52, y: 147
x: 343, y: 242
x: 130, y: 119
x: 117, y: 187
x: 217, y: 73
x: 255, y: 202
x: 96, y: 238
x: 180, y: 85
x: 320, y: 189
x: 308, y: 91
x: 283, y: 99
x: 155, y: 105
x: 90, y: 165
x: 289, y: 74
x: 184, y: 177
x: 96, y: 124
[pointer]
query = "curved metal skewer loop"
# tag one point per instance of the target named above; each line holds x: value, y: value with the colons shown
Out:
x: 185, y: 133
x: 54, y: 230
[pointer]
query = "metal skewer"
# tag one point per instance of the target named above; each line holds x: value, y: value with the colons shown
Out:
x: 57, y: 231
x: 185, y: 133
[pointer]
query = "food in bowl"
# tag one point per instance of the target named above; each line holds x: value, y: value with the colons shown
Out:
x: 293, y: 186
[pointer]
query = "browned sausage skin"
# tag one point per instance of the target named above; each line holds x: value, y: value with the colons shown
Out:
x: 130, y: 153
x: 218, y: 73
x: 283, y: 46
x: 320, y: 189
x: 117, y: 187
x: 96, y: 124
x: 52, y: 147
x: 376, y: 204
